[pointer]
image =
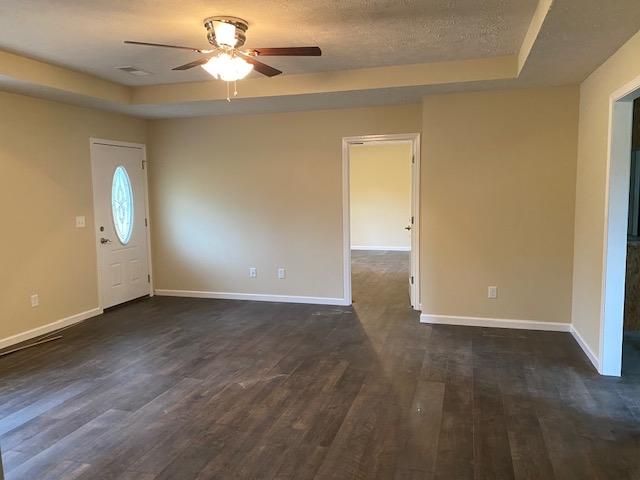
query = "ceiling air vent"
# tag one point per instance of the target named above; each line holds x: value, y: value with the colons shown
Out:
x: 134, y: 71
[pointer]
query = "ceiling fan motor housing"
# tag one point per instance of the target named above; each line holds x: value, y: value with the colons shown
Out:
x: 240, y: 25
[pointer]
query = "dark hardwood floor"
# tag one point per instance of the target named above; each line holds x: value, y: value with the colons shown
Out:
x: 171, y: 388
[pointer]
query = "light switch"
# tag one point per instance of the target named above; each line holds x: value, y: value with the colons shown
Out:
x: 80, y: 222
x: 492, y: 292
x: 35, y: 300
x: 253, y: 272
x: 281, y: 273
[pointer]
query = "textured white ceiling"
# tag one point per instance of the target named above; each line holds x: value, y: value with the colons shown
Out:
x: 575, y: 38
x: 87, y: 35
x: 578, y: 36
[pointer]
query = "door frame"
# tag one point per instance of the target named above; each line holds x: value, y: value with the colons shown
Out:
x: 616, y: 214
x: 116, y: 143
x: 414, y: 138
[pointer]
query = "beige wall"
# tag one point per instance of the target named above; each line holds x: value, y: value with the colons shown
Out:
x: 45, y: 181
x: 498, y: 183
x: 498, y: 178
x: 233, y: 192
x: 227, y: 193
x: 620, y: 69
x: 380, y: 194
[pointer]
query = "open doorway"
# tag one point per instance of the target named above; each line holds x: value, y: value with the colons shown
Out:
x: 631, y: 324
x: 619, y: 230
x: 380, y: 192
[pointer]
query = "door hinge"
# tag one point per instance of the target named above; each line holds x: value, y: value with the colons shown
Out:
x: 411, y: 220
x: 411, y: 279
x: 148, y: 278
x: 413, y: 159
x: 143, y: 164
x: 146, y: 224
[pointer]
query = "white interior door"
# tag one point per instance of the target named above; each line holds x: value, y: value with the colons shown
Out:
x: 413, y: 273
x: 119, y: 202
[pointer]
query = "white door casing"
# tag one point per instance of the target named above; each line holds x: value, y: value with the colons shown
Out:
x: 123, y: 263
x: 414, y: 278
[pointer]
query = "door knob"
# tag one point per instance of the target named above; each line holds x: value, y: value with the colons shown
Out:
x: 104, y: 240
x: 408, y: 227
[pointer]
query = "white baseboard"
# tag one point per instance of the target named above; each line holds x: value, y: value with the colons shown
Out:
x: 585, y: 348
x: 258, y: 297
x: 380, y: 248
x: 494, y: 322
x: 49, y: 327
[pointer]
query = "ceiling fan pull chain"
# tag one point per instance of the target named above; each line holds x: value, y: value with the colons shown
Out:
x: 228, y: 99
x: 235, y: 88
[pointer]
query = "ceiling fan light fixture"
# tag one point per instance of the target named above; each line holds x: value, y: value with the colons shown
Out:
x: 225, y: 34
x: 227, y: 67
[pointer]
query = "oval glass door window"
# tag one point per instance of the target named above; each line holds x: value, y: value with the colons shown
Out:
x: 122, y: 205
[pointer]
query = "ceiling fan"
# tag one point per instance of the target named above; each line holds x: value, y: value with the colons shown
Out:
x: 226, y: 35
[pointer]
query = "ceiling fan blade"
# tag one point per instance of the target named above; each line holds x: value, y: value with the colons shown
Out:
x: 195, y: 63
x: 146, y: 44
x: 260, y: 67
x: 287, y: 52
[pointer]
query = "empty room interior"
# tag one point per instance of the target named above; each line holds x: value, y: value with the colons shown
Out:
x: 320, y: 240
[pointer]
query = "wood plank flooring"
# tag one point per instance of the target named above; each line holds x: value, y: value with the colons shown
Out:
x: 175, y: 388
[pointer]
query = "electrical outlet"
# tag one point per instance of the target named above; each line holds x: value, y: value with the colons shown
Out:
x: 35, y: 300
x: 253, y: 272
x: 492, y: 292
x: 281, y: 273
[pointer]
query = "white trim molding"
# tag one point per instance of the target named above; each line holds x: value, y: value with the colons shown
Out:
x: 49, y: 327
x: 256, y: 297
x: 585, y: 348
x: 414, y: 139
x: 494, y: 322
x: 379, y: 248
x: 616, y: 205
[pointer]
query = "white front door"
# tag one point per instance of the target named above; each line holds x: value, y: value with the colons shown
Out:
x: 119, y: 202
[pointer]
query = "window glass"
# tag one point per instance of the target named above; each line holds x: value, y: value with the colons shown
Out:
x: 122, y: 205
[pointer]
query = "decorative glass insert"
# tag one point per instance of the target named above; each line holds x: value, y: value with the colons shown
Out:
x: 122, y: 205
